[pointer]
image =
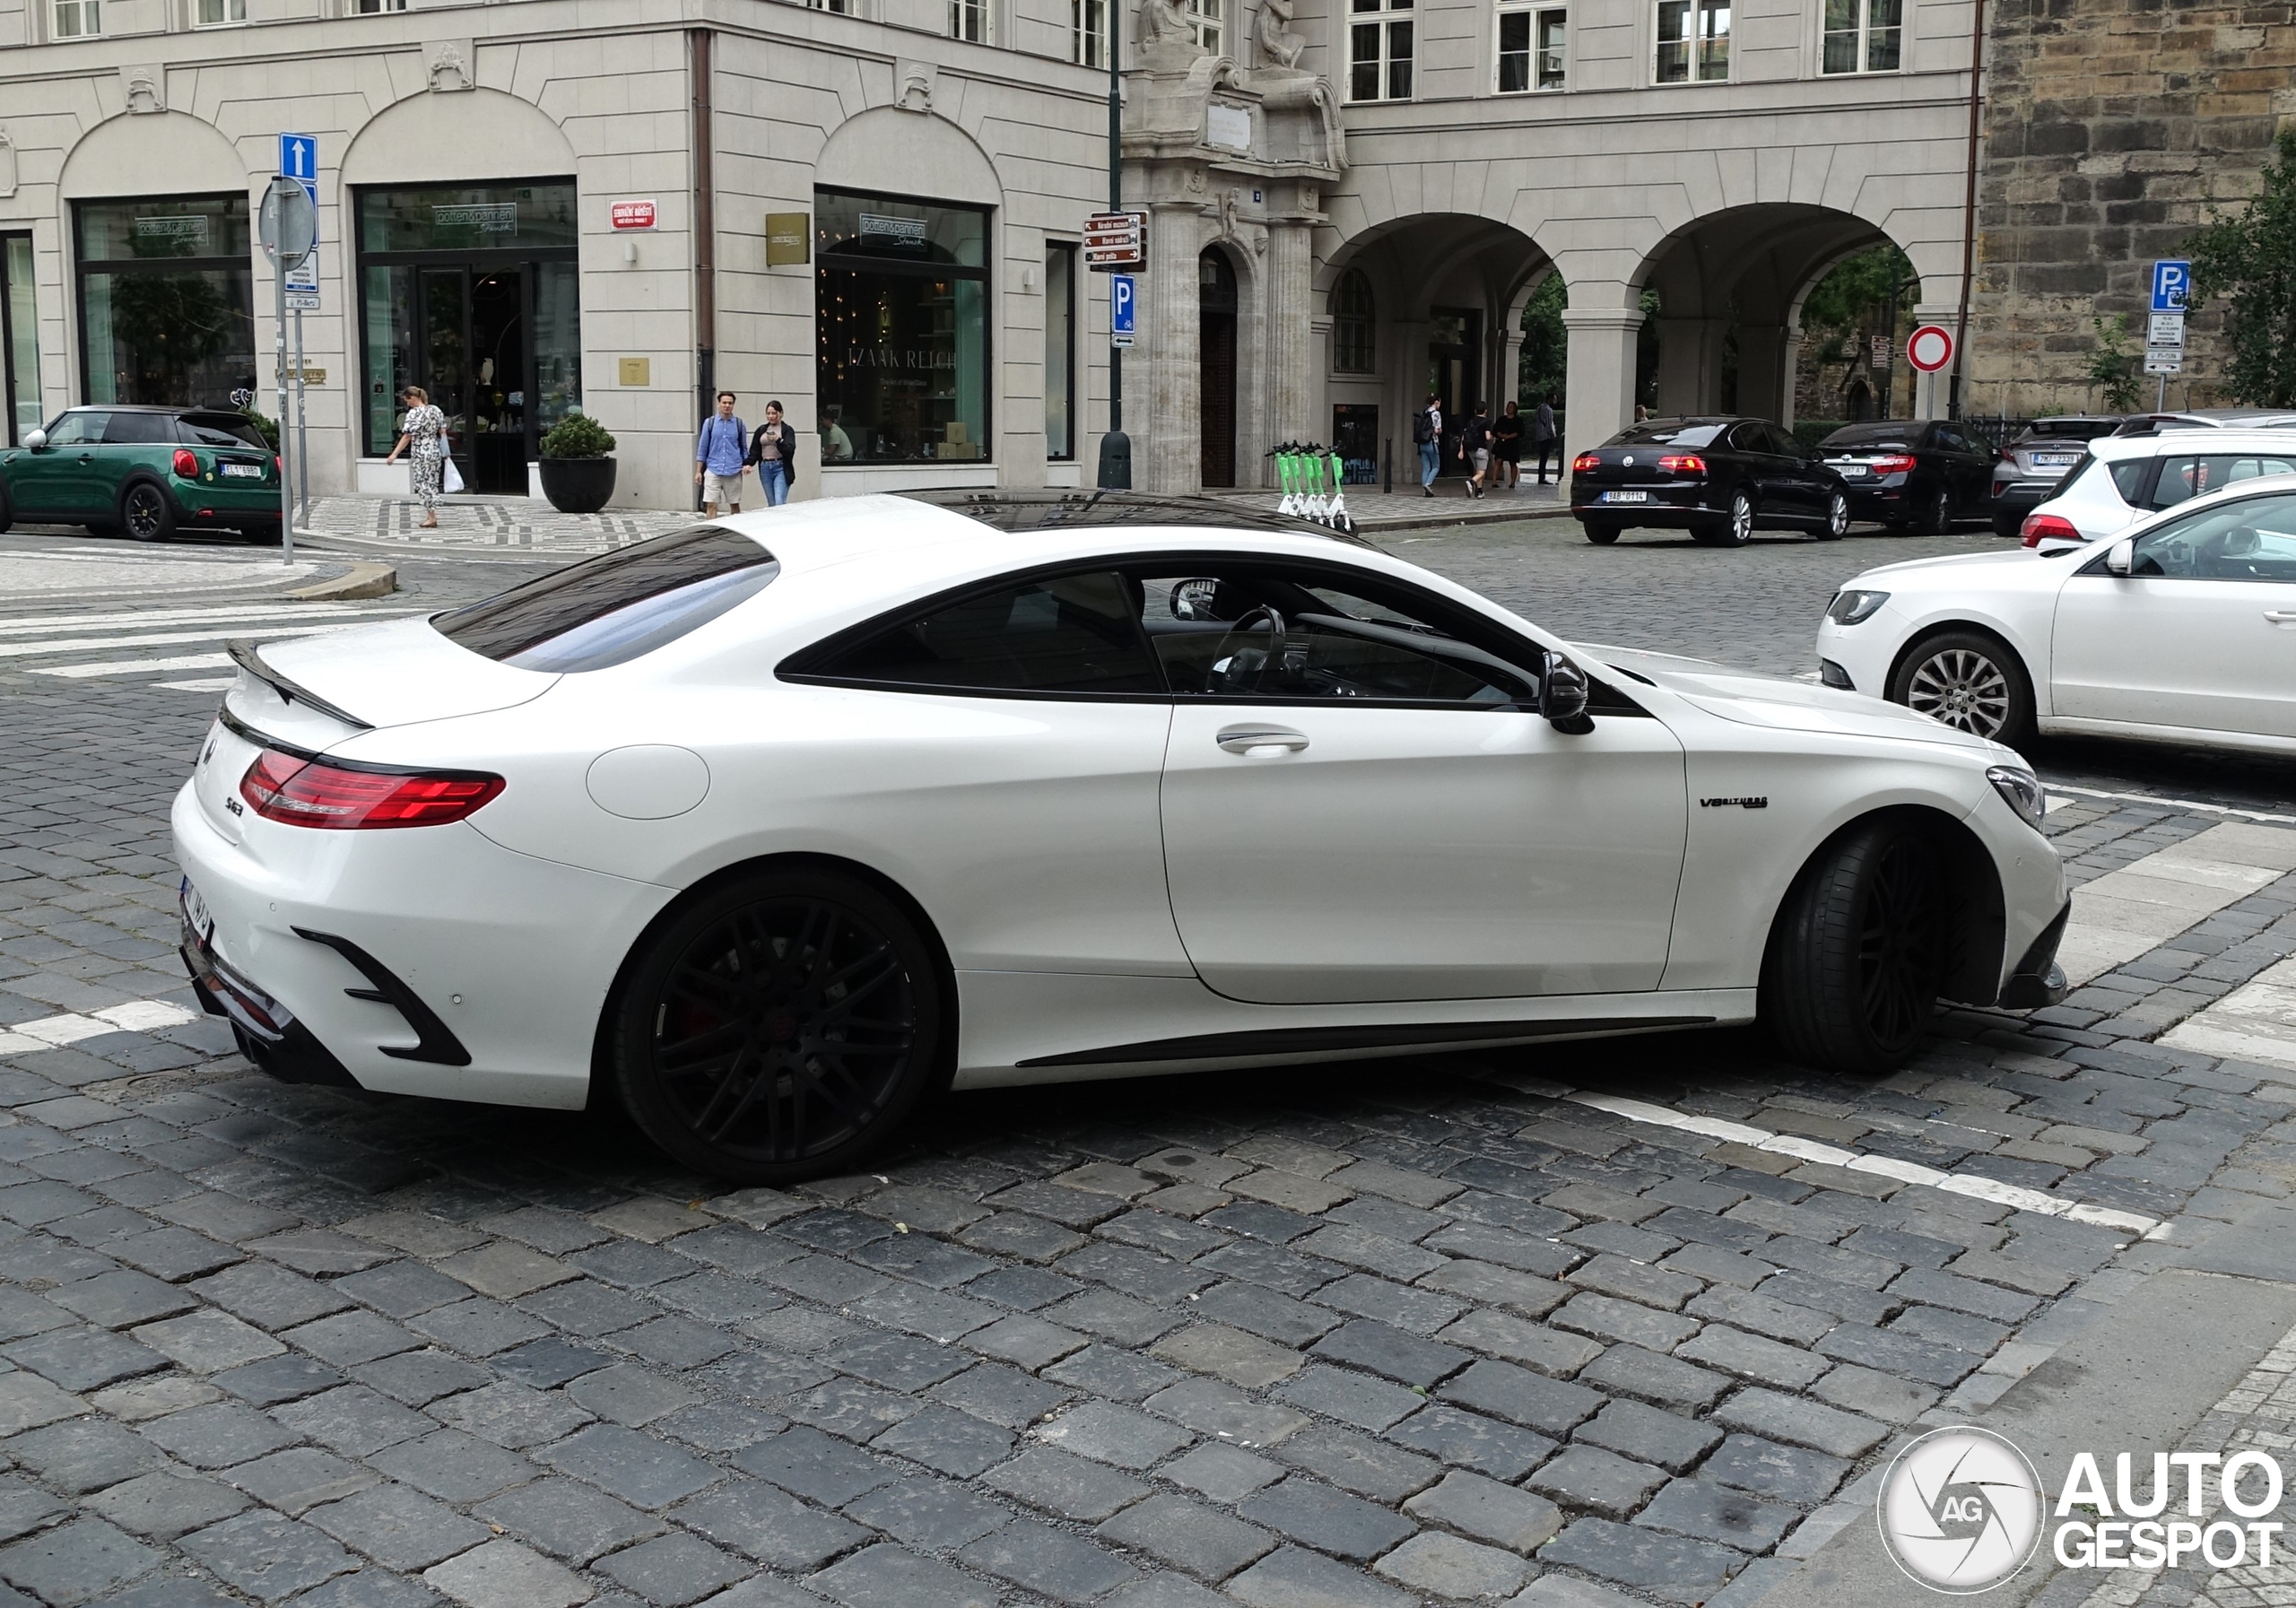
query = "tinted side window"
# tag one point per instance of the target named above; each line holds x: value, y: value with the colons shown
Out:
x: 1076, y: 633
x: 2184, y: 475
x: 78, y: 428
x: 1782, y: 442
x: 139, y: 430
x: 2128, y: 476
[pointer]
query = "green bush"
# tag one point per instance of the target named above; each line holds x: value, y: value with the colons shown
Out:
x: 1811, y: 431
x: 267, y: 428
x: 577, y: 436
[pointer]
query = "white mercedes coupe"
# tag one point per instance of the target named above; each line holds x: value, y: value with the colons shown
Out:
x: 771, y: 827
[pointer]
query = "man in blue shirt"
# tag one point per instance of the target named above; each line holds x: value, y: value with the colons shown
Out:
x: 717, y: 467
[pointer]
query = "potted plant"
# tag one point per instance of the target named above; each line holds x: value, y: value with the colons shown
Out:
x: 576, y: 474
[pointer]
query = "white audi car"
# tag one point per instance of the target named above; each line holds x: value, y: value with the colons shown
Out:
x: 777, y: 823
x: 2182, y: 630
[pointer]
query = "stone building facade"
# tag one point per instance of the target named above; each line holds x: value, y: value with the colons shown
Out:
x: 2113, y: 128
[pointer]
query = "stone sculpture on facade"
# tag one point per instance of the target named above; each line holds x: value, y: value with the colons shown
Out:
x: 1280, y: 48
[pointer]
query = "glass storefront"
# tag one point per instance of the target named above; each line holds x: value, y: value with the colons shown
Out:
x: 166, y: 300
x: 901, y: 311
x: 19, y: 340
x: 473, y: 292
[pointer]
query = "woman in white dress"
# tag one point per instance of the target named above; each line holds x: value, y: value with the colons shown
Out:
x: 423, y: 437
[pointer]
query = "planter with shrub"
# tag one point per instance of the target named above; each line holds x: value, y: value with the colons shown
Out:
x: 576, y: 474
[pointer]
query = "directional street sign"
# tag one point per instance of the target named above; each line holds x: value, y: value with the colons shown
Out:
x: 2171, y: 283
x: 1124, y: 308
x: 1116, y: 240
x: 2164, y: 359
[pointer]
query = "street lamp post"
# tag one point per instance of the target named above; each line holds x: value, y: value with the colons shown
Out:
x: 1116, y: 447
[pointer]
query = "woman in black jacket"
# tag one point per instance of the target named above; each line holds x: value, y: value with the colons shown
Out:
x: 773, y: 450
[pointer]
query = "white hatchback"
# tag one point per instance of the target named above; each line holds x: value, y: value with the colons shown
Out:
x: 776, y: 824
x: 2123, y: 479
x: 2183, y: 629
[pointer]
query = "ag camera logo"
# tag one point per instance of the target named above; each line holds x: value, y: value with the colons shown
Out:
x: 1960, y: 1511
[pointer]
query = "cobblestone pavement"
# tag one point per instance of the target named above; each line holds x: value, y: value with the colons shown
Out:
x: 1426, y: 1330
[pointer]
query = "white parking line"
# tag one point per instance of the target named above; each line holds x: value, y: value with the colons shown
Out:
x: 189, y: 661
x: 2256, y: 1021
x: 2174, y: 804
x: 19, y: 650
x: 52, y: 1032
x: 208, y: 683
x: 134, y: 620
x: 1888, y: 1166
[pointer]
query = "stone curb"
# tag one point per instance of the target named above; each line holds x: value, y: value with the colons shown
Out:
x: 362, y: 581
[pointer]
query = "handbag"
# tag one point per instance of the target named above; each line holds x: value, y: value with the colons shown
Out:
x: 450, y: 477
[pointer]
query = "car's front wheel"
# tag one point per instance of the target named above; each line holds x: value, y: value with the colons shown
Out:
x: 779, y: 1026
x: 1734, y: 528
x: 1859, y: 952
x: 1969, y: 680
x: 1600, y: 535
x: 146, y: 512
x: 1935, y: 516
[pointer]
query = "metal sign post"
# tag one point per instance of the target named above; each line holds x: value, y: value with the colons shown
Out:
x: 291, y: 239
x: 302, y: 437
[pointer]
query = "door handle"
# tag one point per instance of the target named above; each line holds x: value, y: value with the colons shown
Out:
x: 87, y: 458
x: 1248, y: 739
x: 2281, y: 616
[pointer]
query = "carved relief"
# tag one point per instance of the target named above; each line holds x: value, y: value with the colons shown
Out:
x: 915, y: 80
x: 145, y: 88
x: 446, y: 66
x: 1279, y: 47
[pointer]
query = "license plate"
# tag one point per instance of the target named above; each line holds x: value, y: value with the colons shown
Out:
x: 194, y: 912
x: 2055, y: 460
x: 1854, y: 472
x: 243, y: 472
x: 1626, y: 497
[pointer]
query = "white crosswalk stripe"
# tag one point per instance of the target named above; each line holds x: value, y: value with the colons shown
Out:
x: 122, y: 643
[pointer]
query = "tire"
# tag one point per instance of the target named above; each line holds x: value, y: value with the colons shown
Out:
x: 2009, y: 525
x: 1859, y: 952
x: 7, y: 513
x: 821, y: 948
x: 1969, y: 680
x: 1601, y: 535
x: 1738, y: 529
x: 1837, y: 525
x: 146, y: 511
x: 1936, y: 515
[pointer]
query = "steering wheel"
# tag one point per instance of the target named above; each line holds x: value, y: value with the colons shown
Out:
x: 1236, y: 665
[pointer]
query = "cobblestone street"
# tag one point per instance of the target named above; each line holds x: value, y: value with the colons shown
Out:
x: 1632, y: 1321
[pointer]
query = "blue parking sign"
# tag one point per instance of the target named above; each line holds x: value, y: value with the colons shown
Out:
x: 1124, y: 308
x: 2171, y: 282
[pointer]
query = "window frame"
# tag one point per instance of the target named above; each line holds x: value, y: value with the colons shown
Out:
x: 1207, y: 21
x: 1381, y: 18
x: 1064, y: 251
x: 85, y: 268
x: 226, y: 20
x: 1343, y: 318
x: 1696, y: 44
x: 91, y: 15
x: 979, y: 13
x: 1536, y: 16
x: 2096, y: 566
x: 1862, y: 37
x: 1088, y: 32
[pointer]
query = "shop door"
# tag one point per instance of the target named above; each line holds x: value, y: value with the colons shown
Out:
x: 19, y: 341
x: 1454, y: 374
x: 472, y: 361
x: 1217, y: 364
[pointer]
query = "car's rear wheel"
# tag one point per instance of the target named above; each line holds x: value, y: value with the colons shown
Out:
x: 2011, y: 525
x: 1837, y: 525
x: 1858, y: 953
x: 146, y: 512
x: 1600, y: 535
x: 1969, y: 680
x: 7, y: 514
x: 1935, y: 516
x: 779, y: 1028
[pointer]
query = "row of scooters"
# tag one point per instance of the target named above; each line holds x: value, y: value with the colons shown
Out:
x: 1301, y: 470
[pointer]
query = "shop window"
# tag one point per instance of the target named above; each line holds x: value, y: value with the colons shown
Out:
x: 1060, y: 352
x: 1378, y: 50
x: 969, y: 21
x: 1353, y: 345
x: 166, y: 300
x: 218, y: 13
x: 78, y: 19
x: 1532, y: 40
x: 1693, y: 41
x: 1207, y: 21
x: 1088, y: 31
x: 1862, y: 36
x: 900, y: 304
x: 19, y: 339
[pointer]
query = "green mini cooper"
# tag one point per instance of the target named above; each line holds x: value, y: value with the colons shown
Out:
x: 147, y: 471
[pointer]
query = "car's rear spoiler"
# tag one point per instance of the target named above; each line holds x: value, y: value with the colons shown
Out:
x: 244, y: 655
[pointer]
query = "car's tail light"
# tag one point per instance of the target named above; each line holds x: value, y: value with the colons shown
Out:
x: 1586, y: 463
x: 186, y: 463
x: 1688, y: 462
x: 277, y: 467
x: 1896, y: 463
x: 285, y: 786
x: 2038, y: 528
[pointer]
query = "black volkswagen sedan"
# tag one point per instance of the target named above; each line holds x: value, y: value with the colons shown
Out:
x: 1721, y: 479
x: 1916, y: 475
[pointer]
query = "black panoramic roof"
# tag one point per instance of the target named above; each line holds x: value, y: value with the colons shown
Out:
x: 1097, y: 509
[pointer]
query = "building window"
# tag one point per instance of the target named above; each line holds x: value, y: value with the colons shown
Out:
x: 900, y: 313
x: 1060, y: 352
x: 1088, y: 31
x: 1531, y: 46
x: 1693, y: 41
x: 1862, y: 35
x: 1354, y: 348
x: 1206, y: 19
x: 219, y: 13
x: 19, y: 339
x: 166, y: 300
x: 78, y: 19
x: 370, y: 8
x: 969, y: 21
x: 1378, y: 50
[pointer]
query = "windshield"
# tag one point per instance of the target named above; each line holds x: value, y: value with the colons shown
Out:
x: 1670, y: 432
x: 616, y: 607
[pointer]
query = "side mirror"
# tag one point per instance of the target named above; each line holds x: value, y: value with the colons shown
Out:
x: 1192, y: 599
x: 1562, y: 697
x: 2121, y: 556
x: 36, y: 439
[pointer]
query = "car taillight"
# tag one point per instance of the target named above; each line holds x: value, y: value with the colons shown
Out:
x: 1586, y: 463
x: 277, y: 467
x: 186, y: 463
x: 2047, y: 527
x: 1683, y: 463
x: 285, y: 786
x: 1896, y: 463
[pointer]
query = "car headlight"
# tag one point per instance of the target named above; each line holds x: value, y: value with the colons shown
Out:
x: 2021, y: 790
x: 1847, y: 608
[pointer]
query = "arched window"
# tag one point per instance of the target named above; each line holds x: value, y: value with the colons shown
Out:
x: 1354, y: 347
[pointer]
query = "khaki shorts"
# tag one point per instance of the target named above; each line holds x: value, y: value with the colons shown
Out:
x: 721, y: 488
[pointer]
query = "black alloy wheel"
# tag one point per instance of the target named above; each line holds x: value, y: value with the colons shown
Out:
x: 778, y: 1028
x: 1837, y: 525
x: 146, y: 512
x: 1970, y: 682
x: 1936, y: 515
x: 1601, y: 535
x: 1858, y: 954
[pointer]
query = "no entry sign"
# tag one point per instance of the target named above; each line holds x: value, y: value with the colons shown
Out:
x: 1929, y: 348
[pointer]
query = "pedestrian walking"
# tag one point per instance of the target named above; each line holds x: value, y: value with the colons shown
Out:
x: 774, y: 450
x: 1507, y: 443
x: 1475, y: 448
x: 717, y: 467
x: 423, y: 437
x: 1547, y: 438
x: 1427, y: 435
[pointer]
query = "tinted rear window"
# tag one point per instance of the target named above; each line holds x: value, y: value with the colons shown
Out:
x: 2069, y: 429
x: 139, y: 430
x: 1670, y: 432
x: 1871, y: 435
x: 616, y: 607
x: 221, y: 429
